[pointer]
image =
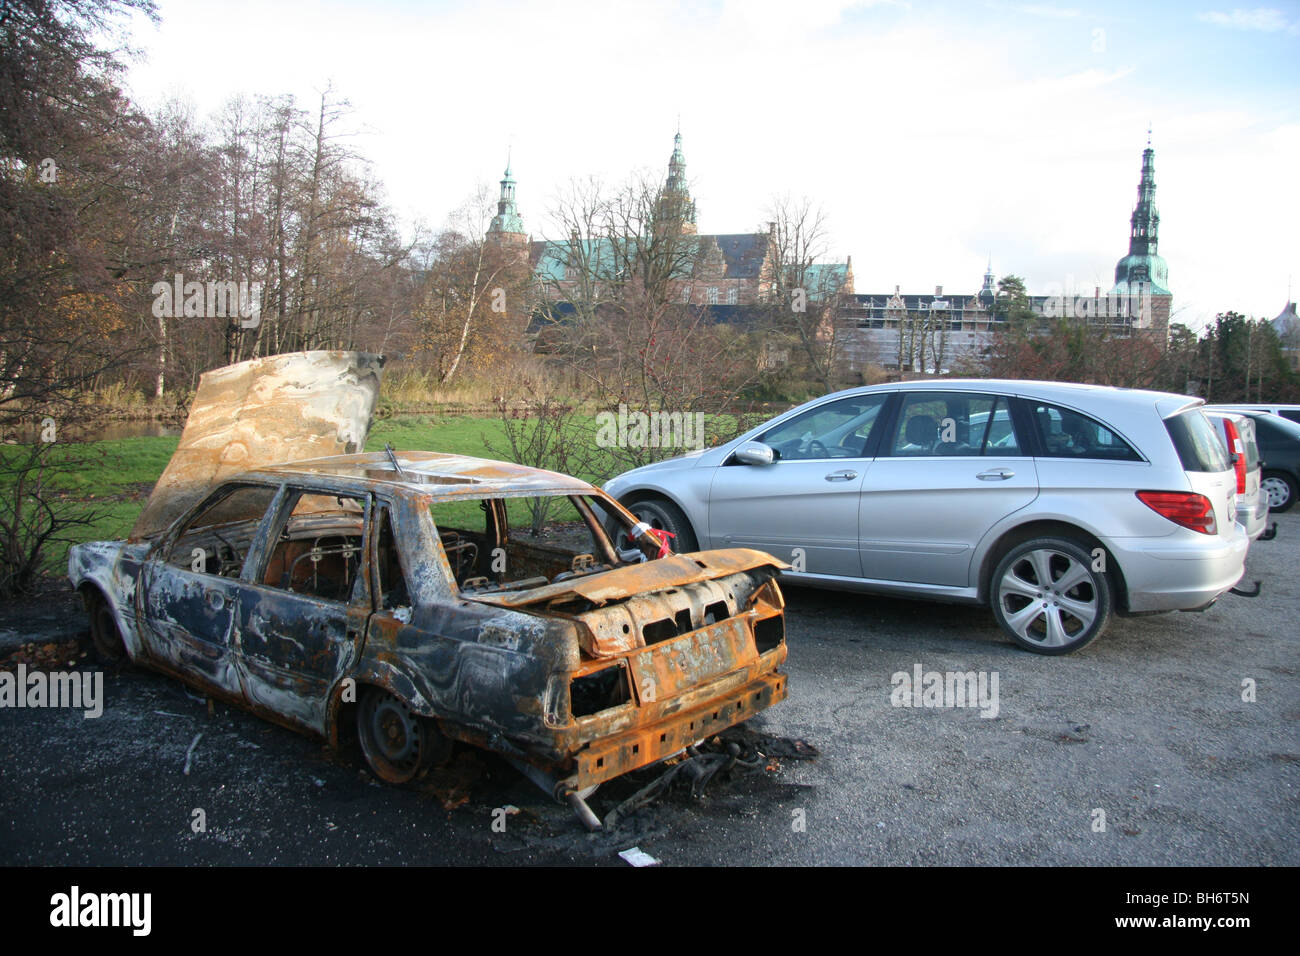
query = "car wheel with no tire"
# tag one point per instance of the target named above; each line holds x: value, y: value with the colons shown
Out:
x: 399, y: 744
x: 1048, y: 596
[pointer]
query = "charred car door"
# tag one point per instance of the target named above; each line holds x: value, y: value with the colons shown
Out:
x: 304, y: 605
x: 189, y: 586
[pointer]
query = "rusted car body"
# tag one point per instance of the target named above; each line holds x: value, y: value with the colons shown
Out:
x: 391, y: 592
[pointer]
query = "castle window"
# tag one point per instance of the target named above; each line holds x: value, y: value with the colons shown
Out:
x: 713, y: 295
x: 731, y: 296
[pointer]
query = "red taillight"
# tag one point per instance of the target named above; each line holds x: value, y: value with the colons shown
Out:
x: 1184, y: 508
x: 1238, y: 449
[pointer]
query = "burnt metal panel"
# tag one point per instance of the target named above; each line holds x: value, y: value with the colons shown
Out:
x: 261, y: 412
x: 619, y: 583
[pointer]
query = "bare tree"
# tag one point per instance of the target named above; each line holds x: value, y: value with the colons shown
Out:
x: 615, y: 284
x: 803, y: 299
x: 472, y: 302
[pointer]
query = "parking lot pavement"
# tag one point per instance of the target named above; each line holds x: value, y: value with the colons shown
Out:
x: 1140, y: 749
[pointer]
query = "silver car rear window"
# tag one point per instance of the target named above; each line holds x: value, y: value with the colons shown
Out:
x: 1198, y: 447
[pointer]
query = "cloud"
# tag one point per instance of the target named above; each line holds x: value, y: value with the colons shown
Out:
x: 1038, y: 10
x: 1043, y: 10
x: 1263, y: 19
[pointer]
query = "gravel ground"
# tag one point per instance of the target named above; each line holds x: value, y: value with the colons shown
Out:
x: 1147, y: 725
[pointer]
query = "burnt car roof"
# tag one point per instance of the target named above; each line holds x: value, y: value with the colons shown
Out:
x: 430, y: 474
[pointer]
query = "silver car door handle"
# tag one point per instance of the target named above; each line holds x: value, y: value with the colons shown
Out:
x: 996, y: 474
x: 845, y: 475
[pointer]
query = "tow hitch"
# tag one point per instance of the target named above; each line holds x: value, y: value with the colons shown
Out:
x: 1242, y: 592
x: 1269, y: 533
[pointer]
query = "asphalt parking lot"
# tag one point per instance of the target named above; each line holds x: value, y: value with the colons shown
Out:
x: 1145, y: 731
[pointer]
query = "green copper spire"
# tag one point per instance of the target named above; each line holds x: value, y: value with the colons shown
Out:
x: 1145, y: 222
x: 1143, y: 264
x: 676, y: 203
x: 677, y: 166
x: 507, y: 219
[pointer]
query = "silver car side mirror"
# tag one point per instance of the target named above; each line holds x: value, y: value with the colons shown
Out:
x: 755, y: 453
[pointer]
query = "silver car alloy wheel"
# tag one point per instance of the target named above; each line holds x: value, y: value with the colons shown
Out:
x: 1277, y: 490
x: 1048, y: 597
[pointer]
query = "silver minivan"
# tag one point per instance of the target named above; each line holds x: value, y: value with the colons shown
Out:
x: 1058, y: 505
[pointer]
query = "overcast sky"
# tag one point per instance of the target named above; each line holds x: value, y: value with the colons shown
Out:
x: 933, y: 134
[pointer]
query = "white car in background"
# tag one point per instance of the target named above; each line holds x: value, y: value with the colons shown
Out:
x: 1058, y: 505
x: 1289, y: 412
x: 1238, y: 434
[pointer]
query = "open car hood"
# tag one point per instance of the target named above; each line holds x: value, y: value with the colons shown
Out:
x: 619, y: 583
x: 263, y: 412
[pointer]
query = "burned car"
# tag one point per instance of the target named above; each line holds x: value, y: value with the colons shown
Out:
x: 403, y: 594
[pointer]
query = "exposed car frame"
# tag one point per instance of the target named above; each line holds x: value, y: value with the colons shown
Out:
x: 322, y: 595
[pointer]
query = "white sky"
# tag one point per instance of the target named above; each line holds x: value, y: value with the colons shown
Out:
x: 934, y: 134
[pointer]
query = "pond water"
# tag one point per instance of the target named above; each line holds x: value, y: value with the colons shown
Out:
x: 114, y: 430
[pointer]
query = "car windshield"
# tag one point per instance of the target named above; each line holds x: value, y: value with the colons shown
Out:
x: 837, y: 429
x: 521, y: 542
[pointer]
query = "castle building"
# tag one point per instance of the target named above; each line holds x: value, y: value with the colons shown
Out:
x: 731, y: 273
x: 889, y: 329
x: 718, y: 271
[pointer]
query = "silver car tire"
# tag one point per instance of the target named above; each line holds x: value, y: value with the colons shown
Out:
x: 665, y: 516
x: 1280, y: 489
x: 1048, y: 598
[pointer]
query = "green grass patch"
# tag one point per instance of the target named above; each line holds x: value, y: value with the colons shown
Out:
x: 112, y: 478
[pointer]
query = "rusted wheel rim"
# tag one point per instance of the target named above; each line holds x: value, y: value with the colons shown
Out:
x: 392, y: 737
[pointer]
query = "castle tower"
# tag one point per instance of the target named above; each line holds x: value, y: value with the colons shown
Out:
x: 1142, y: 276
x: 989, y: 291
x: 507, y: 228
x: 675, y: 204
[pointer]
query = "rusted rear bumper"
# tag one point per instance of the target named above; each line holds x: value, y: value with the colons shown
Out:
x: 612, y: 756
